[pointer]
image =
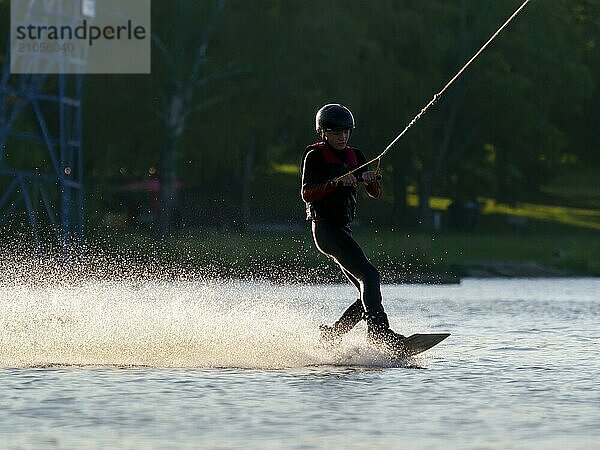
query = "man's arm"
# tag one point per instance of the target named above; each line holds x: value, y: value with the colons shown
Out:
x: 314, y: 192
x: 373, y: 189
x: 313, y: 188
x: 372, y: 185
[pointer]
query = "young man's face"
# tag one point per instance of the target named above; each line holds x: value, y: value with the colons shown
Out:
x: 337, y: 139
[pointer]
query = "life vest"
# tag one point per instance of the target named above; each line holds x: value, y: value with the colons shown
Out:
x: 340, y: 206
x: 347, y: 157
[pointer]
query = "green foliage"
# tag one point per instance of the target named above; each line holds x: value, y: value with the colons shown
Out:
x: 291, y: 256
x: 4, y: 25
x: 526, y: 111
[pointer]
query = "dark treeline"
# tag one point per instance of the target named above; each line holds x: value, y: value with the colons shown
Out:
x: 222, y: 120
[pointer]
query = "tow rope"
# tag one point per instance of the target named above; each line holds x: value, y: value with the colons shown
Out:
x: 435, y: 97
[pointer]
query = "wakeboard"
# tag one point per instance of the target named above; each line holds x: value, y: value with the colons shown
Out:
x: 418, y: 343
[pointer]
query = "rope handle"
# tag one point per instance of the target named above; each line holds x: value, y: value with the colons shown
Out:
x: 359, y: 179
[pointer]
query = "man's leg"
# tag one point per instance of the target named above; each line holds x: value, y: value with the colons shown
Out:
x: 337, y: 243
x: 355, y: 312
x: 348, y: 320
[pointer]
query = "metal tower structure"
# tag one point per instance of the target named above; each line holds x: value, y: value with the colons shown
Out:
x: 41, y: 171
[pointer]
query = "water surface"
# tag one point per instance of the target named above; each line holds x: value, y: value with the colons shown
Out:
x: 235, y: 365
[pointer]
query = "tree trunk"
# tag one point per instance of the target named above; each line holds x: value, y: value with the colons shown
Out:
x: 246, y: 180
x: 399, y: 186
x: 175, y: 124
x: 425, y: 213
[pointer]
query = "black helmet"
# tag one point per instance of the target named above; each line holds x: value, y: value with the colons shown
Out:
x: 334, y: 117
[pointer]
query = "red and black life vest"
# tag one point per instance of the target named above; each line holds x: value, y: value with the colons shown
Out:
x: 324, y: 165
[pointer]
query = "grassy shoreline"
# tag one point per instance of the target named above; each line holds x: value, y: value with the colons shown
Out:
x: 400, y: 256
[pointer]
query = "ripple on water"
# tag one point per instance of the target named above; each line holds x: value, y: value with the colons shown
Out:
x: 235, y: 365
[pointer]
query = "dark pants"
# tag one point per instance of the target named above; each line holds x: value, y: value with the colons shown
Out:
x: 337, y: 243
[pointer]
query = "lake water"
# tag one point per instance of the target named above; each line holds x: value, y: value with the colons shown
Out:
x: 200, y: 364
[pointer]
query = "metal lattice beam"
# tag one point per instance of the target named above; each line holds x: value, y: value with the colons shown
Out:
x: 41, y: 170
